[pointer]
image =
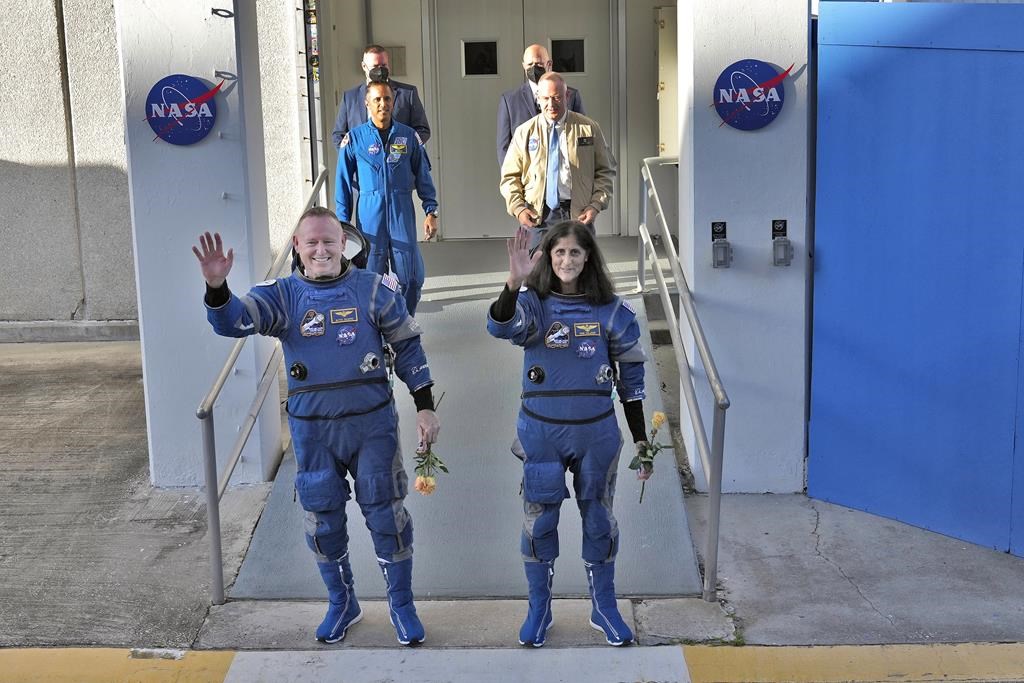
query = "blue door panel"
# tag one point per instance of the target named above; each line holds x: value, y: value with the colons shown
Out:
x: 919, y: 266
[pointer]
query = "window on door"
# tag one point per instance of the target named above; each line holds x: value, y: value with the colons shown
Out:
x: 567, y: 56
x: 479, y: 58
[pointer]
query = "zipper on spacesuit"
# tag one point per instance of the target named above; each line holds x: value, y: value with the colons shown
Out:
x: 597, y: 607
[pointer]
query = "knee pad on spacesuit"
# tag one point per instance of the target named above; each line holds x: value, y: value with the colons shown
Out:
x: 380, y: 497
x: 600, y: 548
x: 539, y: 539
x: 327, y: 534
x: 390, y: 544
x: 600, y: 530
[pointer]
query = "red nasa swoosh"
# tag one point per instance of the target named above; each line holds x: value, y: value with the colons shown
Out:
x: 767, y: 85
x: 209, y: 94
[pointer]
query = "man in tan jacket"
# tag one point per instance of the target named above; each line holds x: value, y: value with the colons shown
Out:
x: 544, y: 183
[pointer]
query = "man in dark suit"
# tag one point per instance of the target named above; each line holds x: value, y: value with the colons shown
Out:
x: 407, y: 107
x: 519, y: 105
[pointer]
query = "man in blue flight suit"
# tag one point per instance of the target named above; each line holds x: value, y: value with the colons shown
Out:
x: 376, y: 66
x: 384, y: 161
x: 332, y: 320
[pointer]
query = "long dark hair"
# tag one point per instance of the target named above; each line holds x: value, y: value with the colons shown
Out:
x: 594, y: 283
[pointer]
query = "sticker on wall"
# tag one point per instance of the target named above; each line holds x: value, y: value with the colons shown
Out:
x: 181, y: 109
x: 749, y: 94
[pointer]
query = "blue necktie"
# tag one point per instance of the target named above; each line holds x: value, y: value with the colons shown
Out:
x: 554, y: 163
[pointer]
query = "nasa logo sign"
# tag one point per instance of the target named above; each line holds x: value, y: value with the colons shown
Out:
x: 749, y: 94
x: 181, y: 109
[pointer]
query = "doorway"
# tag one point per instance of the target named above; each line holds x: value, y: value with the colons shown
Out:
x: 478, y: 56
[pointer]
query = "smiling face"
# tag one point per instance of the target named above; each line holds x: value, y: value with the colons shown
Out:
x: 567, y: 260
x: 379, y: 101
x: 320, y: 242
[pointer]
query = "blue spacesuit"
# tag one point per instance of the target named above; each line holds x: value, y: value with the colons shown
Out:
x: 384, y: 173
x: 343, y: 420
x: 575, y: 352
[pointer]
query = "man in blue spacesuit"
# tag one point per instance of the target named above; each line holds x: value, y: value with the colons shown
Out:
x: 383, y: 160
x: 579, y: 340
x: 332, y: 320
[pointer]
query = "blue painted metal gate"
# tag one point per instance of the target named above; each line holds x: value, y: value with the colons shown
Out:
x: 917, y: 388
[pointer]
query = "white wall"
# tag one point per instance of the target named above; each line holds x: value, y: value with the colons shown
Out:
x: 279, y: 54
x: 94, y: 79
x: 65, y: 170
x: 754, y: 313
x: 36, y: 185
x: 639, y: 136
x: 176, y: 192
x: 342, y: 35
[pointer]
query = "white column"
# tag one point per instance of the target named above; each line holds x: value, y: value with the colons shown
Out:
x: 754, y: 313
x: 177, y: 192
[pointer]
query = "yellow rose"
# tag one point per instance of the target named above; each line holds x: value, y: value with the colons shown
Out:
x: 657, y: 419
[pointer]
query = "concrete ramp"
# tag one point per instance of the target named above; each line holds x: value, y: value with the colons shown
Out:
x: 467, y: 533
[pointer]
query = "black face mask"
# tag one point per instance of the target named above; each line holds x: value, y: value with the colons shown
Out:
x: 535, y: 72
x: 379, y: 74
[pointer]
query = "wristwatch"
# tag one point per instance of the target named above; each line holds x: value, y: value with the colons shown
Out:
x: 435, y: 213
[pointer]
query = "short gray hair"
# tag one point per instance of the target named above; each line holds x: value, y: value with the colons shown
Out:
x: 553, y: 76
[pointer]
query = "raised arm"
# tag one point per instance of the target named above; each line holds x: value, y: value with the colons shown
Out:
x: 511, y: 316
x: 213, y: 262
x: 520, y: 263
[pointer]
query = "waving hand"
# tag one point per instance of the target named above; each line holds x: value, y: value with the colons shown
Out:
x: 212, y: 260
x: 520, y: 263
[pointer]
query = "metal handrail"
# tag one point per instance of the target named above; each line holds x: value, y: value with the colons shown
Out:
x: 711, y: 458
x: 215, y: 488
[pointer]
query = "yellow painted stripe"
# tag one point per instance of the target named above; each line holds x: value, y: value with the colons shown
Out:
x: 96, y: 665
x: 856, y: 664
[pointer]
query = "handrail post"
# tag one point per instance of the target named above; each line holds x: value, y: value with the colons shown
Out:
x: 641, y: 259
x: 213, y: 509
x: 321, y: 195
x: 714, y: 504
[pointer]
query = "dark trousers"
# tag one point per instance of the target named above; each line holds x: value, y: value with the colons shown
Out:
x: 549, y: 217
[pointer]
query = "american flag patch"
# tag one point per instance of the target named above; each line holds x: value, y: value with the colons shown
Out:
x: 390, y: 281
x: 625, y: 304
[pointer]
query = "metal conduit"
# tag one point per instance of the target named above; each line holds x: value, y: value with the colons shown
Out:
x: 214, y: 488
x: 711, y: 457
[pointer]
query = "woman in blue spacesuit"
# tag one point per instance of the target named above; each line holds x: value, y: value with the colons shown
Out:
x: 580, y: 341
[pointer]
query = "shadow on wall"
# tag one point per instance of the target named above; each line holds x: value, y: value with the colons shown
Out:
x: 68, y: 239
